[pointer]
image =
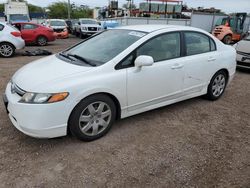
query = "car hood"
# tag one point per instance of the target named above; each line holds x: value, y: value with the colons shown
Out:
x: 45, y: 71
x: 243, y: 46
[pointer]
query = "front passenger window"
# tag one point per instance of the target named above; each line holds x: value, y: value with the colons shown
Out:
x: 163, y: 47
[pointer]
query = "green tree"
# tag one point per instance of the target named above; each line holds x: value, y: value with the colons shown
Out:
x: 60, y: 10
x: 35, y: 9
x: 1, y: 7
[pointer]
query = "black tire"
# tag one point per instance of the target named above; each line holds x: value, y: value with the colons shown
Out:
x: 227, y: 39
x: 7, y: 50
x: 81, y: 35
x: 41, y: 41
x: 211, y: 93
x: 75, y: 125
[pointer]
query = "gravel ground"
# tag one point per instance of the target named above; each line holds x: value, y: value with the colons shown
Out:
x: 195, y: 143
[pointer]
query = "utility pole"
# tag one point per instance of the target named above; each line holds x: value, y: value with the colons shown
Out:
x: 69, y: 9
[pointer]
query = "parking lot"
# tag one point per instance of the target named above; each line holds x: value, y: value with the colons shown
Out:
x: 195, y: 143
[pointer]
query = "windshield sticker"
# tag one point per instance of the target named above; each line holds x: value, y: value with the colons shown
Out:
x: 137, y: 34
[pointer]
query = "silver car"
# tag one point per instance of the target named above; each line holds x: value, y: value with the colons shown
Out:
x: 243, y: 53
x: 10, y: 40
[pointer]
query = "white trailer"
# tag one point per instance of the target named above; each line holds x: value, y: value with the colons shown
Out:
x: 16, y: 12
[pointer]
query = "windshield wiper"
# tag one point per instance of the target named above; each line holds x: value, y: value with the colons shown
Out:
x: 65, y: 55
x: 82, y: 59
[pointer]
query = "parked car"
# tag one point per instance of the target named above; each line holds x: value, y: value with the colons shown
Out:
x: 36, y: 34
x: 59, y: 26
x: 117, y: 74
x: 74, y: 26
x: 243, y: 52
x: 87, y: 27
x: 10, y: 40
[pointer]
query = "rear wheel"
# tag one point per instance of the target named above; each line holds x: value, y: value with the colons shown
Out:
x: 217, y: 85
x: 7, y: 50
x: 92, y: 118
x: 227, y: 39
x: 42, y: 41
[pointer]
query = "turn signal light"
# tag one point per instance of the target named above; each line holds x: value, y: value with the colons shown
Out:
x: 57, y: 97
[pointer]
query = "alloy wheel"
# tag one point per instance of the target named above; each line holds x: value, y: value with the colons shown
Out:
x: 95, y: 118
x: 6, y: 50
x: 218, y: 85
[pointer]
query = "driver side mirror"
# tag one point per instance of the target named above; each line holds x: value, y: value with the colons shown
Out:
x: 79, y: 23
x: 144, y: 60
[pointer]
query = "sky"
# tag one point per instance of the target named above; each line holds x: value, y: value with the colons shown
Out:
x: 227, y: 6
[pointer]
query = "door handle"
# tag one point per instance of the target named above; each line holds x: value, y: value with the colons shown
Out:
x: 211, y: 59
x: 177, y: 66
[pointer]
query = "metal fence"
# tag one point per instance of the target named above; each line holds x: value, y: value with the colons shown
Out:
x: 143, y: 20
x: 203, y: 21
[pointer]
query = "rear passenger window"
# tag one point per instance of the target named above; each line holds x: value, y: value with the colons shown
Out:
x: 1, y: 27
x: 197, y: 43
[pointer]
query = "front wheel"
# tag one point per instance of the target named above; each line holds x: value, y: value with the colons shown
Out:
x: 92, y: 118
x: 217, y: 86
x: 7, y: 50
x: 42, y: 41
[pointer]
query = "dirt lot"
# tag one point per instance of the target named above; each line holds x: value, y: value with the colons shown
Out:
x: 195, y: 143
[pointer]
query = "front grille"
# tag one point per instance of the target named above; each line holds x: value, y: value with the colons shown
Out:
x: 243, y: 53
x: 58, y: 30
x: 17, y: 90
x: 92, y: 28
x: 243, y: 64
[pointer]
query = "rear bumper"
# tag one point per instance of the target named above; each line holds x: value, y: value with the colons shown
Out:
x: 19, y: 43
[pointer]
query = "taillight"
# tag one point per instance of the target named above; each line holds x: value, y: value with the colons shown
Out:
x: 16, y: 34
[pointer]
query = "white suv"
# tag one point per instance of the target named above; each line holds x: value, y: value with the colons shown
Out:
x: 10, y: 40
x: 87, y: 27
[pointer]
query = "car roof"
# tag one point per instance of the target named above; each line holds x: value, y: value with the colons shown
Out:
x: 152, y: 28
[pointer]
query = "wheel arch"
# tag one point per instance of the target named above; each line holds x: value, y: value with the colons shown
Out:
x: 41, y: 35
x: 8, y: 43
x: 113, y: 98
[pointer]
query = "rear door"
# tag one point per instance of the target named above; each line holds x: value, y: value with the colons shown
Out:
x: 200, y: 61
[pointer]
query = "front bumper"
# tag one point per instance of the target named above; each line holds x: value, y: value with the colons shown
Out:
x: 243, y: 60
x: 61, y: 35
x: 36, y: 120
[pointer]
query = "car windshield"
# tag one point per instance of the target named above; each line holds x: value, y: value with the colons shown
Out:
x: 247, y: 38
x: 88, y: 22
x: 18, y: 17
x: 106, y: 45
x: 57, y: 23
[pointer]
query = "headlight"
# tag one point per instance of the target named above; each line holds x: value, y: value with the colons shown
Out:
x: 43, y: 98
x: 84, y: 28
x: 65, y: 29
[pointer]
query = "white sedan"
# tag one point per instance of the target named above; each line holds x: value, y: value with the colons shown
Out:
x: 116, y: 74
x: 10, y: 40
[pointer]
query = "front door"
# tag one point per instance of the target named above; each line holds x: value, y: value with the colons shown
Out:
x: 163, y: 80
